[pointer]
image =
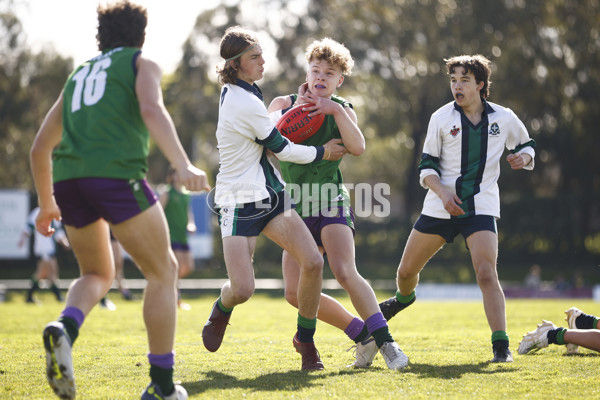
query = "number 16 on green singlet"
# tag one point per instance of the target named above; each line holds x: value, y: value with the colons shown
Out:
x: 90, y: 85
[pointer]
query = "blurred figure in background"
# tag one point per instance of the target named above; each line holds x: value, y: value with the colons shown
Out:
x: 175, y: 200
x: 119, y: 268
x: 533, y: 280
x: 44, y: 249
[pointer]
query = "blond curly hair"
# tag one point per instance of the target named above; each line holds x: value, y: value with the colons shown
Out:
x: 331, y: 51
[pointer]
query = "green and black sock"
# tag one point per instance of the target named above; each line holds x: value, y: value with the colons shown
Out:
x: 306, y: 329
x: 224, y: 310
x: 556, y: 336
x: 406, y: 301
x: 500, y: 339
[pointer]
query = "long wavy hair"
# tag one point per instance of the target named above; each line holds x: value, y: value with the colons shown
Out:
x: 235, y: 40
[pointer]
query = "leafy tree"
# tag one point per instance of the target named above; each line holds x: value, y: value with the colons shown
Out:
x: 29, y: 83
x: 544, y: 53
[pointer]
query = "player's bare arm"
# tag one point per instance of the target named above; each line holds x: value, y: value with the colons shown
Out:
x: 47, y: 138
x: 345, y: 118
x: 279, y: 103
x: 450, y: 200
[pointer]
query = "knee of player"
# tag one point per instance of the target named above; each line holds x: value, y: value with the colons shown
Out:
x: 405, y: 274
x: 345, y: 274
x: 165, y: 272
x: 105, y: 277
x: 486, y: 275
x: 313, y: 263
x: 291, y: 296
x: 242, y: 293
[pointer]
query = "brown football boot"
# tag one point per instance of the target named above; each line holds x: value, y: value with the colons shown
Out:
x: 311, y: 361
x: 214, y: 330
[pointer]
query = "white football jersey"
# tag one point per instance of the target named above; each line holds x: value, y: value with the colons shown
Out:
x: 43, y: 246
x: 467, y: 157
x: 244, y: 133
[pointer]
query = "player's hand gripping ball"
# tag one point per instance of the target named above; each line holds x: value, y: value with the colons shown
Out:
x: 297, y: 125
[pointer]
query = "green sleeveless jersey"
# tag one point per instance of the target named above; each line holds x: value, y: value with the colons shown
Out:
x: 103, y: 132
x: 176, y: 212
x: 317, y: 186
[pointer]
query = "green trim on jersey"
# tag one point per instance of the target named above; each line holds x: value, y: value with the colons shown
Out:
x: 315, y: 175
x: 520, y: 147
x: 176, y: 212
x: 474, y: 157
x: 271, y: 180
x: 103, y: 131
x: 234, y: 220
x: 430, y: 162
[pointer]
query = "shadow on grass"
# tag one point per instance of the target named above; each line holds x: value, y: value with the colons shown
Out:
x: 286, y: 381
x: 568, y: 355
x: 456, y: 371
x: 582, y: 355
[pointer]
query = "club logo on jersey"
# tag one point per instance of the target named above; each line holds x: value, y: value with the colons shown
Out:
x: 494, y: 129
x: 454, y: 131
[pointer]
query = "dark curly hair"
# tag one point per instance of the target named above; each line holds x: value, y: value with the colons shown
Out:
x: 235, y: 40
x: 121, y: 24
x: 478, y: 65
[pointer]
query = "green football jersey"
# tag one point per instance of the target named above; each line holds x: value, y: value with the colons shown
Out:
x: 319, y: 185
x: 103, y: 132
x: 176, y: 212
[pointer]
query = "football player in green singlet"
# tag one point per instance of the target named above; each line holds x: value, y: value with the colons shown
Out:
x: 323, y: 203
x: 89, y: 160
x: 175, y: 200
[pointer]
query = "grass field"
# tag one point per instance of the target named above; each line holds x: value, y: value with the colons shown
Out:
x: 448, y: 344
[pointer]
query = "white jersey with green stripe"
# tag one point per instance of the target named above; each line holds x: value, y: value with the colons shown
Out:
x: 244, y: 134
x: 467, y: 157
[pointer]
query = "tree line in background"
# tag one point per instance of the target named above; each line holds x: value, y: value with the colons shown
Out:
x: 545, y: 58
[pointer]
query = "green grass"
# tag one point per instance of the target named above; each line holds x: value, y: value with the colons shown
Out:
x: 448, y: 344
